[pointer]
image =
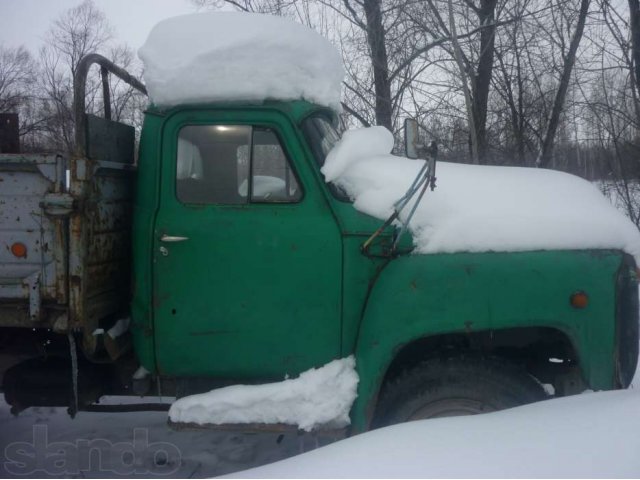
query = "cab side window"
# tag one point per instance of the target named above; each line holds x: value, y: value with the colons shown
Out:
x: 233, y: 164
x: 272, y: 177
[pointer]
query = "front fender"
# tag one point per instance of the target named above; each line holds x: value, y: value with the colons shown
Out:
x: 424, y: 295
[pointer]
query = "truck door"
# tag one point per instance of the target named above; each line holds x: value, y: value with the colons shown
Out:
x: 247, y: 262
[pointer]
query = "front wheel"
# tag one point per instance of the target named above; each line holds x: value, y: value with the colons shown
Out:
x: 455, y: 386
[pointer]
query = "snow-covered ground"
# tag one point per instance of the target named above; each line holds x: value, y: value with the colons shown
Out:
x: 590, y: 435
x: 124, y: 444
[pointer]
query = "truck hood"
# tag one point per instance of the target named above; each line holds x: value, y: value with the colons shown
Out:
x: 480, y: 208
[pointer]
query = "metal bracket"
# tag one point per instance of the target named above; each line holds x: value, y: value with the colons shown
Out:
x: 58, y: 204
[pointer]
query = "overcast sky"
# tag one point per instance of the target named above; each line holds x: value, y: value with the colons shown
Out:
x: 24, y: 22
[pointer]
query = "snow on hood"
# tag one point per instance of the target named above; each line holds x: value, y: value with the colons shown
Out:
x: 595, y: 435
x: 318, y: 397
x: 220, y: 56
x: 480, y: 208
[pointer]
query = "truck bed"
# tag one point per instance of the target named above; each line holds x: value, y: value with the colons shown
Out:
x: 74, y: 218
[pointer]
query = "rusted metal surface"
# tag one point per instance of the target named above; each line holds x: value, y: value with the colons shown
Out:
x: 109, y: 247
x: 101, y: 181
x: 335, y: 433
x: 28, y: 283
x: 78, y: 235
x: 100, y: 243
x: 134, y: 407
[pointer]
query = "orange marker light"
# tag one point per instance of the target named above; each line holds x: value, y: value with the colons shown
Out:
x: 579, y: 300
x: 19, y: 250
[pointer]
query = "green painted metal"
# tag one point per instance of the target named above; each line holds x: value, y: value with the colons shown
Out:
x: 260, y: 291
x: 422, y: 295
x: 255, y: 291
x: 145, y: 207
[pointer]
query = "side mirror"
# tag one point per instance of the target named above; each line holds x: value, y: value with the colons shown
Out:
x: 411, y: 138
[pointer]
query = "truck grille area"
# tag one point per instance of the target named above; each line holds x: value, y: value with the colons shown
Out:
x: 626, y: 322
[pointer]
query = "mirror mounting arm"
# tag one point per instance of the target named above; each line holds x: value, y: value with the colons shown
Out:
x: 426, y: 178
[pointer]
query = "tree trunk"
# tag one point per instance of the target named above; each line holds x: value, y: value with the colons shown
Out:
x: 376, y: 40
x: 482, y: 78
x: 634, y: 25
x: 457, y: 51
x: 546, y: 153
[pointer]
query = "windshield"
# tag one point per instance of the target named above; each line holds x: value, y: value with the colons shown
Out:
x: 322, y: 137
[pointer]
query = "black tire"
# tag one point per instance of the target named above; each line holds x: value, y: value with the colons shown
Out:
x: 455, y: 386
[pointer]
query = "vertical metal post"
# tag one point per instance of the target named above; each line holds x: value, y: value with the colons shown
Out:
x: 73, y: 408
x: 106, y: 96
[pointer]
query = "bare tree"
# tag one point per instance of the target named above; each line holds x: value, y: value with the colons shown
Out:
x: 634, y: 23
x: 79, y: 31
x: 17, y: 76
x: 468, y: 99
x: 375, y: 31
x: 546, y: 151
x: 468, y: 38
x: 373, y: 92
x: 485, y: 11
x: 528, y: 67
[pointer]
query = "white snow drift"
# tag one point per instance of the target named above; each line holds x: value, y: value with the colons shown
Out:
x: 594, y: 435
x: 226, y: 56
x: 480, y: 208
x: 318, y: 397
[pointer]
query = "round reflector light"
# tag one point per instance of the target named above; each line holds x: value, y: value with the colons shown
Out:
x: 579, y: 300
x: 19, y: 250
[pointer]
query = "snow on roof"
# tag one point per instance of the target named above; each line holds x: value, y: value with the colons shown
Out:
x: 318, y: 397
x: 480, y: 208
x: 226, y: 56
x: 593, y: 435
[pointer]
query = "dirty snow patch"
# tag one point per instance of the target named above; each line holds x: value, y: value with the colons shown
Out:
x: 318, y: 397
x: 226, y: 56
x: 480, y: 208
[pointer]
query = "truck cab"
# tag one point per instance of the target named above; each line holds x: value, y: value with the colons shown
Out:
x: 247, y: 267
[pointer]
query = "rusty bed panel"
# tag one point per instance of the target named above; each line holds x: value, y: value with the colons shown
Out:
x: 32, y: 213
x: 102, y: 175
x: 74, y: 217
x: 100, y: 243
x: 77, y: 237
x: 109, y: 248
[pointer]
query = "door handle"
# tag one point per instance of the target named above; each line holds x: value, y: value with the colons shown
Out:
x: 172, y: 239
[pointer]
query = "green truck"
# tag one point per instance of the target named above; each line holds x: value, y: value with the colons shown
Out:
x: 238, y: 263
